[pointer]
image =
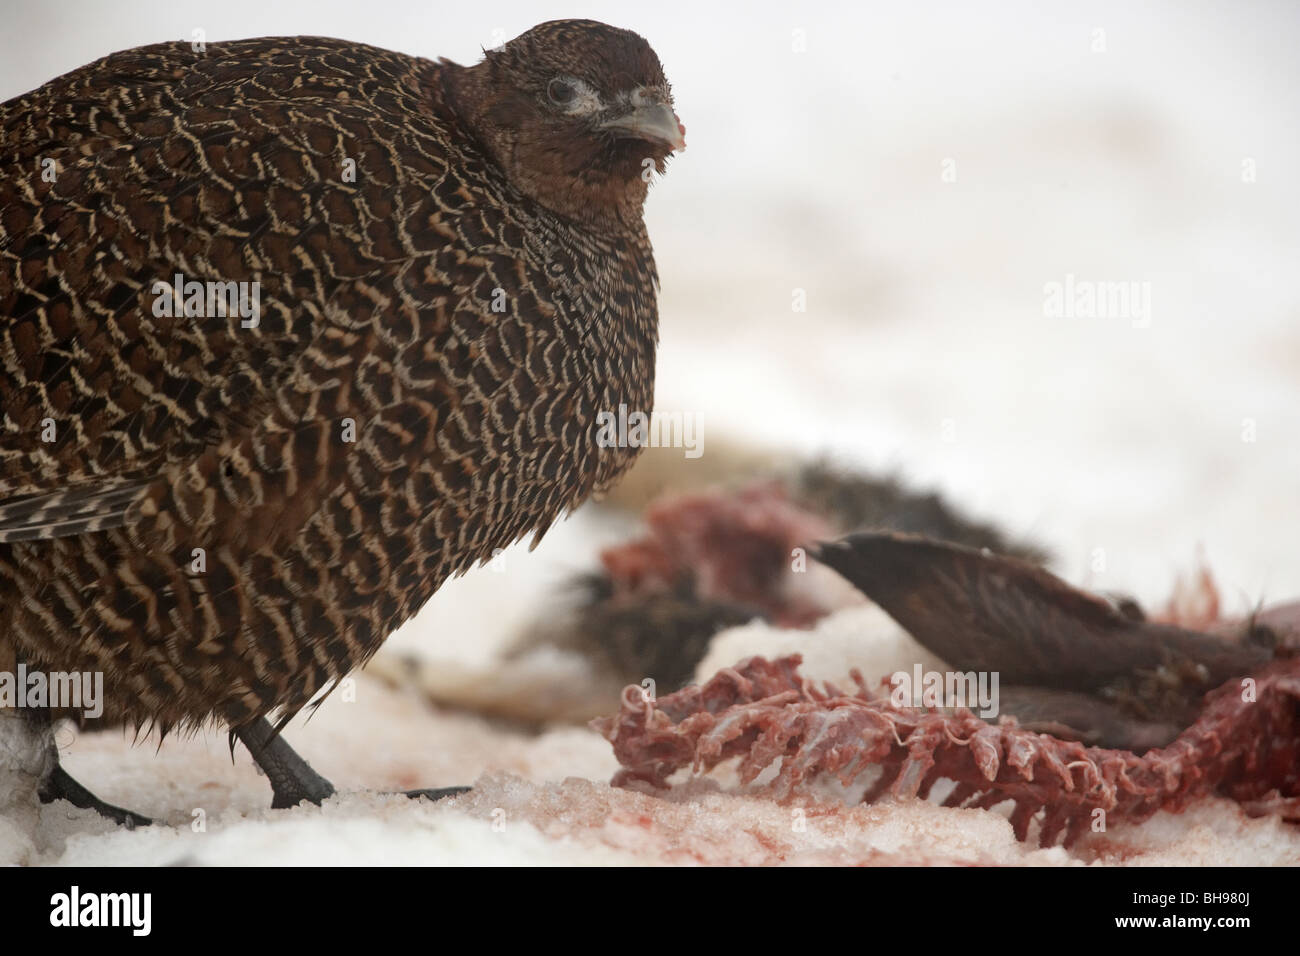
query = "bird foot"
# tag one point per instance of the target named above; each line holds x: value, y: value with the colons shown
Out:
x: 292, y: 778
x: 62, y: 786
x: 28, y: 756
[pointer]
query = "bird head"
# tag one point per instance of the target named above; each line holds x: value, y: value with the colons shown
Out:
x: 577, y: 114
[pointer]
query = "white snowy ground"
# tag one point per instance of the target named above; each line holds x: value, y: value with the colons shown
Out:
x: 1167, y: 157
x: 543, y: 800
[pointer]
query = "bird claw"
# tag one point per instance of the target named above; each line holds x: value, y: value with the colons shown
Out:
x: 437, y: 793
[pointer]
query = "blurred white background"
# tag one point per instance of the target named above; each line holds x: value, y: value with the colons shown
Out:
x: 1091, y: 139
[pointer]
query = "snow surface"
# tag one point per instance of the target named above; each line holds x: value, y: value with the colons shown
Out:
x: 543, y: 799
x: 924, y: 348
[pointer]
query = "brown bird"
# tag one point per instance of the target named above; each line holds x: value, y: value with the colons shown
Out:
x: 432, y: 279
x: 1072, y: 664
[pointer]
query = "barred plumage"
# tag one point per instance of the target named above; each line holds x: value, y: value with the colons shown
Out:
x: 468, y: 301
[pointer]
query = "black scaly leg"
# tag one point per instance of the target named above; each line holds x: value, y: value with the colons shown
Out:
x: 292, y: 778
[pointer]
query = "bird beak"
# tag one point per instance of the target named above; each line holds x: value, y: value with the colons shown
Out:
x: 655, y: 122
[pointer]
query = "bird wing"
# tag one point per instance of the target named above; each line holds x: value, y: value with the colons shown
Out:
x: 227, y: 165
x: 986, y: 612
x: 91, y: 506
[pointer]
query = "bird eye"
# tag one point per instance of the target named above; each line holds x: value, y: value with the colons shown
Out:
x: 561, y: 92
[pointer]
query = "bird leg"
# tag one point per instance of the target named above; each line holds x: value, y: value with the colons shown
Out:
x: 29, y: 761
x: 27, y: 756
x: 292, y: 778
x: 57, y: 784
